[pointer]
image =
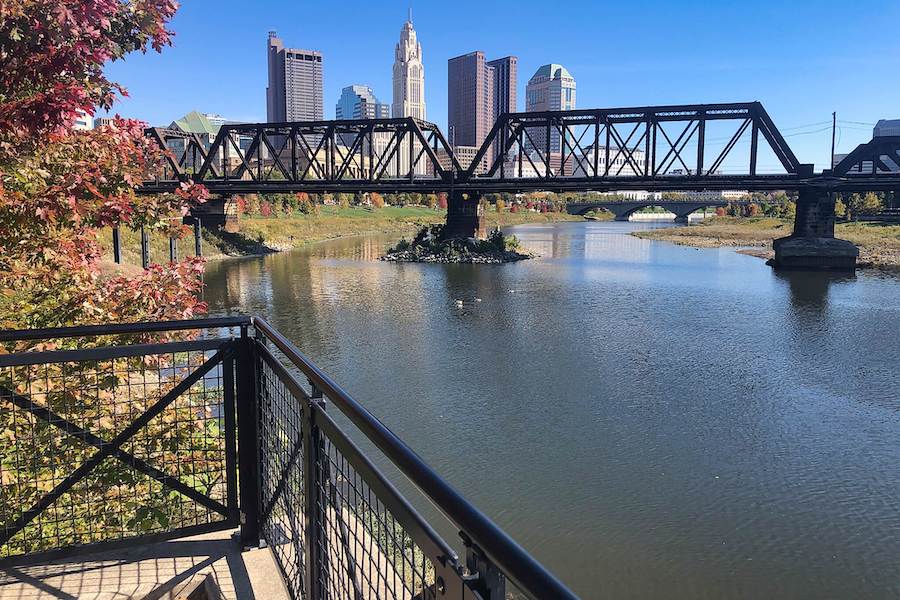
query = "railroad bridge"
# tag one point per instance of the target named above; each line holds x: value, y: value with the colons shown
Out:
x: 623, y: 209
x: 702, y: 147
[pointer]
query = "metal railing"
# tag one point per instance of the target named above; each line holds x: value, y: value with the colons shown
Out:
x: 143, y: 439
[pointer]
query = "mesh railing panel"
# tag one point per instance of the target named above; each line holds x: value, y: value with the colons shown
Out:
x: 55, y: 417
x: 363, y: 551
x: 281, y: 476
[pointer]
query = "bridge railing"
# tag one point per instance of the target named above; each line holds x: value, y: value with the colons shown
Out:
x: 116, y: 440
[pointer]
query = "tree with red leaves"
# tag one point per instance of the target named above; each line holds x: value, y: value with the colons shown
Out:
x: 59, y: 186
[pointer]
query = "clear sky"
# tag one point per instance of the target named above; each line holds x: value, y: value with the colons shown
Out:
x: 802, y: 59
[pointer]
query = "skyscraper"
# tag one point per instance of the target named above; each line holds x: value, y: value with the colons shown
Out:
x: 550, y: 88
x: 295, y: 83
x: 470, y: 99
x: 478, y: 92
x: 409, y: 75
x: 409, y: 93
x: 506, y: 78
x: 359, y: 102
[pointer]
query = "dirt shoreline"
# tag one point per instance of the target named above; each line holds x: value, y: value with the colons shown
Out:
x: 879, y: 246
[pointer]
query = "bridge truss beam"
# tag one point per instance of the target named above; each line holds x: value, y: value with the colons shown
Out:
x: 663, y: 148
x: 645, y: 142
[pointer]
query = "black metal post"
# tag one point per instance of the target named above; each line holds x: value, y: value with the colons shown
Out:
x: 198, y: 249
x: 229, y: 419
x: 833, y: 131
x: 173, y: 249
x: 314, y: 537
x: 248, y: 439
x: 117, y: 246
x: 490, y: 582
x: 145, y: 248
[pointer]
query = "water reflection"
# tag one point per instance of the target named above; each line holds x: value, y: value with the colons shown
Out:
x: 655, y: 420
x: 809, y: 290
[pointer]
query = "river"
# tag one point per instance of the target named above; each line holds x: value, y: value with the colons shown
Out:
x: 649, y: 420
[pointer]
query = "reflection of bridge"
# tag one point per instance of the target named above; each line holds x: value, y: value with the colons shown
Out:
x: 667, y: 148
x: 623, y: 209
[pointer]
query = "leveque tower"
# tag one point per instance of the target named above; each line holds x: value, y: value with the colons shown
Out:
x: 409, y: 85
x: 409, y: 75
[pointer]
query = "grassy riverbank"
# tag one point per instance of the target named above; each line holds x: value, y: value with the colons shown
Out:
x: 879, y: 245
x: 265, y: 234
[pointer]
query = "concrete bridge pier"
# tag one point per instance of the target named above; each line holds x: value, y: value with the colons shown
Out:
x: 812, y: 246
x: 465, y: 216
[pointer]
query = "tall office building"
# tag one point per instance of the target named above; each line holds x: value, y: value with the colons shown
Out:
x: 506, y: 78
x: 550, y: 88
x: 409, y: 75
x: 359, y: 102
x: 409, y: 94
x: 295, y: 83
x: 470, y: 99
x: 478, y: 92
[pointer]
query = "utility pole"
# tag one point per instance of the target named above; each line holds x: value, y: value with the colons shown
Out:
x: 833, y: 130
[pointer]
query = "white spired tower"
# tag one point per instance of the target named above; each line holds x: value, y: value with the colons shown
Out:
x: 409, y: 75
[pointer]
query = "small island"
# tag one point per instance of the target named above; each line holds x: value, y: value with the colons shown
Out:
x: 429, y: 246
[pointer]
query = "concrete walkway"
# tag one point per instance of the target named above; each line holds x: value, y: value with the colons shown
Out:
x: 151, y: 572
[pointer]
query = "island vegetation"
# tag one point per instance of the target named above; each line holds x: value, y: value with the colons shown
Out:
x: 430, y: 246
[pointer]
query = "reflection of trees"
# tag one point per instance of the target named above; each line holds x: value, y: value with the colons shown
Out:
x: 310, y: 294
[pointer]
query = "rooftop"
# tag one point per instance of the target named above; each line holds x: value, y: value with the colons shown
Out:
x: 552, y: 71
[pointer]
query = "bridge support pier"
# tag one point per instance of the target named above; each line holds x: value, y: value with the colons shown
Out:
x: 465, y: 217
x: 812, y: 246
x: 683, y: 219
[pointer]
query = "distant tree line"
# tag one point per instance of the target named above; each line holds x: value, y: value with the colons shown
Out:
x: 274, y: 205
x: 851, y: 206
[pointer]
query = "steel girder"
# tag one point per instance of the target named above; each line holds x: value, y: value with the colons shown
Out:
x: 655, y: 148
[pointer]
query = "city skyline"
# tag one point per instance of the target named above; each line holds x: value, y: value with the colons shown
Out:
x: 672, y: 59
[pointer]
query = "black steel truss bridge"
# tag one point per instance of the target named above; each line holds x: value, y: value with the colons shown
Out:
x: 659, y: 148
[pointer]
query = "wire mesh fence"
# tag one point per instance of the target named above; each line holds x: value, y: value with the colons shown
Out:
x: 124, y: 444
x: 348, y: 540
x: 363, y: 549
x: 281, y: 456
x: 106, y: 448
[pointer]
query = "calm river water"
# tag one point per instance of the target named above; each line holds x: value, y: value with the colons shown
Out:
x: 649, y: 420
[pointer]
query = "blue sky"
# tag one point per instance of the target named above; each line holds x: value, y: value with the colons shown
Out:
x: 801, y: 59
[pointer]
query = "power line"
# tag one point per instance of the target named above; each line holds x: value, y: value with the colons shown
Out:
x: 807, y: 132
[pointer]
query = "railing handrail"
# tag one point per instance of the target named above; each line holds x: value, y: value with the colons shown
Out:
x: 15, y: 335
x: 518, y: 565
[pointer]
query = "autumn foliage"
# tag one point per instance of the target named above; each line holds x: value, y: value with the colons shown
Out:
x: 59, y: 186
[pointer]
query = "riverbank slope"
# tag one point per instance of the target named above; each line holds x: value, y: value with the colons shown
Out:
x: 879, y: 245
x: 261, y: 235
